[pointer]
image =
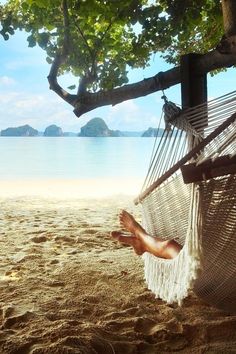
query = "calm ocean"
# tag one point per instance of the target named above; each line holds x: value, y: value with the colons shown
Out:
x: 76, y: 158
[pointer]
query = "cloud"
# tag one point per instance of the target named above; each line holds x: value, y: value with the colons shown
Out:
x: 133, y: 115
x: 19, y: 107
x: 6, y: 81
x: 38, y: 110
x: 127, y: 110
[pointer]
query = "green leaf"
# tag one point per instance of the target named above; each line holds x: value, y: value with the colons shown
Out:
x: 72, y: 87
x: 49, y: 60
x: 31, y: 41
x: 42, y: 39
x: 6, y: 36
x: 101, y: 37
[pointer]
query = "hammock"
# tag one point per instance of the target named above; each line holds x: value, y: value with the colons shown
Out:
x: 201, y: 215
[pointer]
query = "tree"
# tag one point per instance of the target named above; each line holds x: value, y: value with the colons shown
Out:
x: 97, y: 39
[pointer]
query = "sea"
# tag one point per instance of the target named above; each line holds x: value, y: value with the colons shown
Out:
x: 23, y: 158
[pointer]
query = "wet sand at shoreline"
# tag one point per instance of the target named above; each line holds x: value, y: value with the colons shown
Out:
x: 67, y: 287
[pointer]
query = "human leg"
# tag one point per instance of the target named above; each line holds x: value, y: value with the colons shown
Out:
x: 142, y: 242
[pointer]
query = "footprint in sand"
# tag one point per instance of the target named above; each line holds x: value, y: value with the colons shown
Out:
x: 50, y: 222
x: 131, y: 311
x: 7, y: 311
x: 55, y: 283
x: 39, y: 239
x: 170, y: 333
x: 67, y: 239
x: 90, y: 231
x: 110, y: 343
x: 54, y: 261
x: 83, y: 225
x: 150, y: 327
x: 10, y: 275
x: 14, y: 316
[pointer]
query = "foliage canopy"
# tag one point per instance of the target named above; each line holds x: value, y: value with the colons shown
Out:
x: 100, y: 37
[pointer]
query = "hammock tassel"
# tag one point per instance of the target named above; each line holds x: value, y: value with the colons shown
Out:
x: 199, y: 214
x: 172, y: 279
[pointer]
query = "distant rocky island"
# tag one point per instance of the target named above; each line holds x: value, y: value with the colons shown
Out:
x: 152, y: 133
x: 53, y: 130
x: 96, y: 127
x: 24, y: 130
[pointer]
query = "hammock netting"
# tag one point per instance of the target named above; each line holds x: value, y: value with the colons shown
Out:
x: 201, y: 216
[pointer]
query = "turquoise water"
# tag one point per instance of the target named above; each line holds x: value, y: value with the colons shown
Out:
x: 76, y: 158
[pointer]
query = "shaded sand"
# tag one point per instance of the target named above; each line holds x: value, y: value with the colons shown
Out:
x: 67, y: 287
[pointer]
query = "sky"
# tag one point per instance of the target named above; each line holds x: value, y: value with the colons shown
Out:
x: 25, y: 97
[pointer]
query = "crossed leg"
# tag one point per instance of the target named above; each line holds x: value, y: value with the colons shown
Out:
x: 141, y: 241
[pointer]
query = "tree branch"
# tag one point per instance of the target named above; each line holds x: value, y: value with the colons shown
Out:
x: 84, y: 39
x: 206, y: 63
x: 223, y: 56
x: 89, y: 77
x: 162, y: 80
x: 60, y: 59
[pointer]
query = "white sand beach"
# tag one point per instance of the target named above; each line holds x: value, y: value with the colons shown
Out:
x: 70, y: 188
x: 67, y: 287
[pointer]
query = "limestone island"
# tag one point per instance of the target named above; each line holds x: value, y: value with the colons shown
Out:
x: 152, y: 133
x: 53, y: 131
x: 96, y: 127
x: 24, y: 130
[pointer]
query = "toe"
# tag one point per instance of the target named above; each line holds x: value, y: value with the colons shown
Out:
x: 115, y: 234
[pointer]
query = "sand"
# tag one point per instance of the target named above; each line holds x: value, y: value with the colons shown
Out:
x: 67, y: 287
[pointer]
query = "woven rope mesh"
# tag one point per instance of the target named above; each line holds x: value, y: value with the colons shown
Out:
x: 217, y: 282
x: 204, y: 119
x: 164, y: 204
x: 202, y: 217
x: 223, y: 144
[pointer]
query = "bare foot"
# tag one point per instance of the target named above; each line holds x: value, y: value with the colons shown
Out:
x: 141, y: 241
x: 128, y: 222
x: 131, y: 240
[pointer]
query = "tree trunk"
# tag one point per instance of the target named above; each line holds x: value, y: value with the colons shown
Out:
x: 229, y: 17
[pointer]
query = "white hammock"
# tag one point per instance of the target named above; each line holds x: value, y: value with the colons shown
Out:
x: 200, y: 216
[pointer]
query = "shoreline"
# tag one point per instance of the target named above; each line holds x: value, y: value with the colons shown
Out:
x: 70, y: 188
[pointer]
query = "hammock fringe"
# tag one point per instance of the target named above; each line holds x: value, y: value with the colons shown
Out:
x: 200, y: 216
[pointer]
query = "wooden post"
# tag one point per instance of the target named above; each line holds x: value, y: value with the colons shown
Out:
x: 193, y: 87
